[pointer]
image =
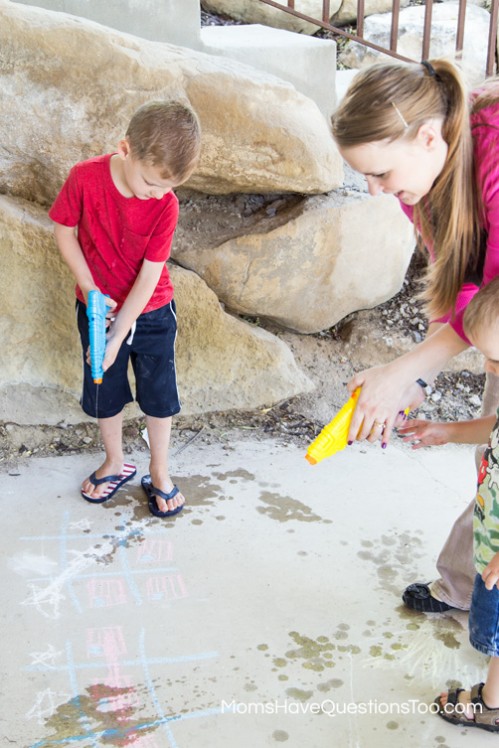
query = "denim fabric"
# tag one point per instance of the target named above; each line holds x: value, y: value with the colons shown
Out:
x: 484, y: 618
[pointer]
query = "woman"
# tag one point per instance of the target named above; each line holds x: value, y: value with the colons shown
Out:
x: 414, y: 132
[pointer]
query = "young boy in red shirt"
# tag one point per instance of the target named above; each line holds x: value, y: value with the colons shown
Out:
x: 115, y: 219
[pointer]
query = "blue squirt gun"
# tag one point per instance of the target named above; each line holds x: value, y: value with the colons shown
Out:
x: 97, y: 309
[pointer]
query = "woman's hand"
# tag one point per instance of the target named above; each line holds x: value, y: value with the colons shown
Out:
x: 426, y: 433
x: 384, y: 396
x: 389, y: 389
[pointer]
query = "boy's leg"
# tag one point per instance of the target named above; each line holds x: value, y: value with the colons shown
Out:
x: 111, y: 433
x: 153, y: 360
x: 489, y: 695
x: 490, y: 689
x: 455, y: 562
x: 105, y: 402
x: 159, y: 430
x: 483, y: 627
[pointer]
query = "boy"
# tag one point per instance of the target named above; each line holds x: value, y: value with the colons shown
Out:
x: 115, y: 218
x: 480, y: 707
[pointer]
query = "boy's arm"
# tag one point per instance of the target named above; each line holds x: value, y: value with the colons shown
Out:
x: 70, y: 249
x: 433, y: 433
x: 139, y: 295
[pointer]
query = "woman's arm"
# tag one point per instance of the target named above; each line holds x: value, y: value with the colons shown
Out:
x: 389, y: 389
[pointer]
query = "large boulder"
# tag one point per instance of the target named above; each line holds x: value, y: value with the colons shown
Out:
x: 443, y: 37
x: 303, y: 263
x: 222, y: 362
x: 254, y: 11
x: 68, y: 88
x: 347, y: 13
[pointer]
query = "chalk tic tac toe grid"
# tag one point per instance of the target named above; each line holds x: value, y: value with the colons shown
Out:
x: 90, y: 683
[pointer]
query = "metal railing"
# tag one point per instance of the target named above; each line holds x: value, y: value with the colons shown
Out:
x: 323, y: 22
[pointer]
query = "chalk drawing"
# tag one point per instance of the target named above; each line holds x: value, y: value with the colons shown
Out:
x: 82, y: 524
x: 29, y: 564
x: 47, y: 600
x: 106, y: 593
x: 45, y: 705
x: 46, y: 659
x: 153, y: 550
x: 166, y: 587
x: 107, y: 642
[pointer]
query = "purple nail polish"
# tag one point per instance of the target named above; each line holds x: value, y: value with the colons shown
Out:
x: 349, y: 444
x: 383, y: 445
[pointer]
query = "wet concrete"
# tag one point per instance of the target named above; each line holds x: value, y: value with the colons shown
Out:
x: 267, y: 613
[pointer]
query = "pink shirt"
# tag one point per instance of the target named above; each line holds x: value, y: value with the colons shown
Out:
x: 117, y: 233
x: 485, y: 131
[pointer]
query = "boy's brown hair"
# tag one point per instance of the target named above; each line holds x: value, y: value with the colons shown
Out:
x: 166, y: 135
x: 483, y: 309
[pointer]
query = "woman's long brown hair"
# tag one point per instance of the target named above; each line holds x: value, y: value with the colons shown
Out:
x: 392, y: 100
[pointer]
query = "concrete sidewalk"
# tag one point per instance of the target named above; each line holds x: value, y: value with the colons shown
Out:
x: 274, y: 595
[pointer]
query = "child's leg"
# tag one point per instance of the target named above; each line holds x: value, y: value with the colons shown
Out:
x: 490, y: 691
x: 111, y: 433
x: 105, y: 402
x: 159, y: 430
x: 456, y: 706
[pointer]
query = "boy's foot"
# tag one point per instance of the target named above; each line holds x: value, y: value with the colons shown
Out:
x: 104, y: 482
x: 468, y: 708
x: 165, y: 499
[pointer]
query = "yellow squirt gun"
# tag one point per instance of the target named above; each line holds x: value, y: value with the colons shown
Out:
x: 333, y: 437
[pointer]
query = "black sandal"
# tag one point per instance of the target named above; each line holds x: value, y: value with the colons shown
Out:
x: 418, y: 597
x: 483, y: 716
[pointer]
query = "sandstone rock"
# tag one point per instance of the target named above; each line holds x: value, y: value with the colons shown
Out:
x: 68, y: 88
x: 347, y: 13
x: 306, y: 265
x: 254, y: 11
x: 222, y: 362
x: 367, y: 345
x: 443, y: 37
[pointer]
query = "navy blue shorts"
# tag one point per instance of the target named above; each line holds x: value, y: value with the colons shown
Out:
x: 150, y: 346
x: 483, y: 620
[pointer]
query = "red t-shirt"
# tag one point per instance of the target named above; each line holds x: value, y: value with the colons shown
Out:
x: 116, y: 233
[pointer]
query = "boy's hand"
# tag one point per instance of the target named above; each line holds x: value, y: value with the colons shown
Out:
x: 110, y: 318
x: 490, y: 574
x: 425, y: 433
x: 113, y: 343
x: 112, y: 348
